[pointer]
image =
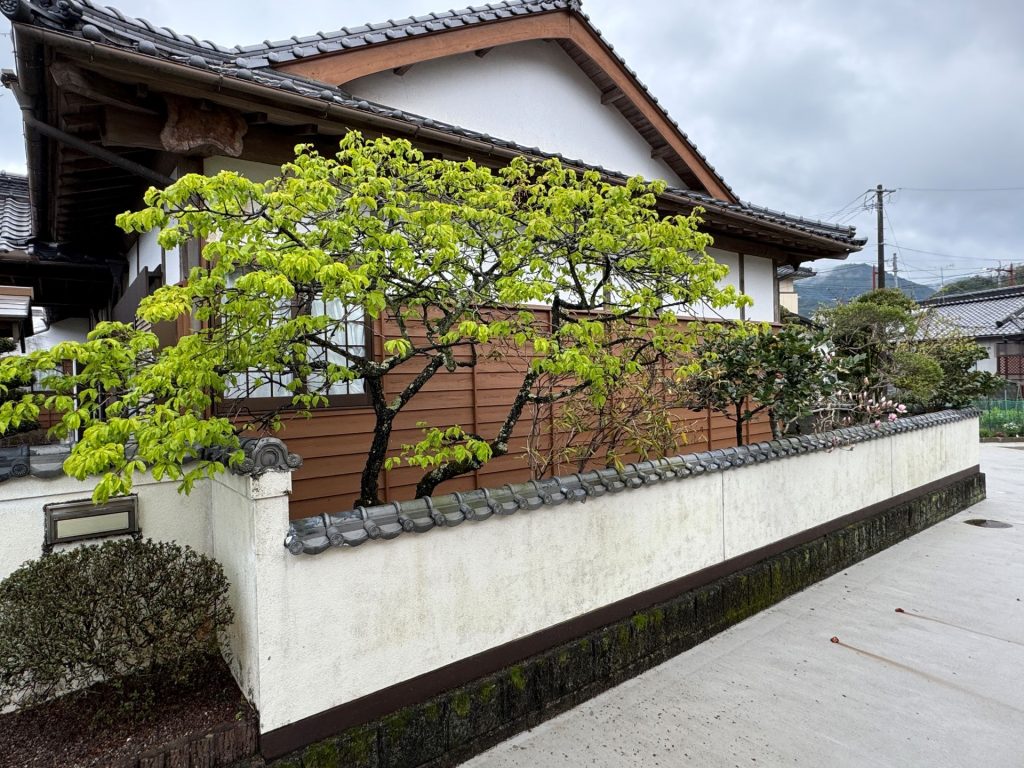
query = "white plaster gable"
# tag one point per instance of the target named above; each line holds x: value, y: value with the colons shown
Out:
x: 532, y: 93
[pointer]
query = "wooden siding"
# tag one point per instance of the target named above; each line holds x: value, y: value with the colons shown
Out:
x: 333, y: 442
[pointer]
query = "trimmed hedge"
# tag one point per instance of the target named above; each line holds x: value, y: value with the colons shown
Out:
x: 136, y: 615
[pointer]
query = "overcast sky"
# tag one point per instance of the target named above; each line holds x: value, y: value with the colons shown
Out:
x: 801, y: 106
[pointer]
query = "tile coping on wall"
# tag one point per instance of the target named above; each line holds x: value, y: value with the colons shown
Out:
x: 262, y: 454
x: 313, y: 535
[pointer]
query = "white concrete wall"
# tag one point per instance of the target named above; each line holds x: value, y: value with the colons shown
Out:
x: 759, y: 284
x: 164, y: 514
x: 71, y: 329
x: 531, y: 93
x: 991, y: 363
x: 389, y: 611
x: 313, y: 632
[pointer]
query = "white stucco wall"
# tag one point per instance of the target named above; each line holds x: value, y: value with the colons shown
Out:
x: 71, y: 329
x: 991, y: 363
x: 394, y: 610
x: 759, y: 284
x: 531, y: 93
x: 164, y: 514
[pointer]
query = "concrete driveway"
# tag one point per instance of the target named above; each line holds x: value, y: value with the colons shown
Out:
x: 939, y: 683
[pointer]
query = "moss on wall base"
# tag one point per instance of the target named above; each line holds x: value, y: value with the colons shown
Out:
x: 467, y: 720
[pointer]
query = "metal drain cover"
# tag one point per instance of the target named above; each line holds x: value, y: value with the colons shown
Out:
x: 982, y: 523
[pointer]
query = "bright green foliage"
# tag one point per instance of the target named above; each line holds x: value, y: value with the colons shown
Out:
x: 13, y: 391
x: 137, y: 408
x: 744, y: 369
x: 447, y: 253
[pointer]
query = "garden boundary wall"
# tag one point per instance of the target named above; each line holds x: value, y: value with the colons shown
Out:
x: 422, y: 632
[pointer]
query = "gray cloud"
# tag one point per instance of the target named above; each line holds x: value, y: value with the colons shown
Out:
x: 801, y: 105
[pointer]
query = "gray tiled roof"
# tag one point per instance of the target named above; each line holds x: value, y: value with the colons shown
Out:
x: 91, y: 21
x: 111, y: 25
x: 997, y: 312
x: 15, y: 213
x: 787, y: 271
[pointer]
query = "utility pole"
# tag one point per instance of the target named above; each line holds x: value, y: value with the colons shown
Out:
x: 895, y: 271
x: 881, y: 236
x: 1008, y: 270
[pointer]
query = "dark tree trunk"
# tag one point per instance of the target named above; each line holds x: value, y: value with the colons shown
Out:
x: 499, y: 445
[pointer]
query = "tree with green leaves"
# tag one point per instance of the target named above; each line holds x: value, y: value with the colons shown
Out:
x: 448, y: 254
x: 893, y: 348
x: 744, y: 369
x: 14, y: 391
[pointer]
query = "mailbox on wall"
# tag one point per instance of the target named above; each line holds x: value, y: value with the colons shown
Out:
x: 70, y: 521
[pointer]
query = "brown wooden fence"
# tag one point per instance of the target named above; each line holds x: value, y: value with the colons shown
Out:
x: 333, y: 442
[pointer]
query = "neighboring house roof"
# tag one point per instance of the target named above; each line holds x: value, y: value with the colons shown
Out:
x: 789, y: 272
x: 15, y: 213
x: 94, y: 25
x: 997, y: 312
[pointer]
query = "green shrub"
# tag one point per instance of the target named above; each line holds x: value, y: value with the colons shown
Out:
x: 137, y: 615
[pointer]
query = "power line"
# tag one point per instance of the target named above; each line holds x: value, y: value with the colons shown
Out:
x: 948, y: 255
x: 857, y: 205
x: 960, y: 189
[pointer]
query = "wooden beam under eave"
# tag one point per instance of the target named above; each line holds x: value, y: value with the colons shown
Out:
x: 122, y: 128
x: 612, y: 95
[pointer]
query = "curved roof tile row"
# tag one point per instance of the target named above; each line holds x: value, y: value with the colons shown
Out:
x: 15, y: 213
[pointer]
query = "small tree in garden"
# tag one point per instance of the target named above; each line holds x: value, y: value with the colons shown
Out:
x: 637, y: 418
x: 872, y: 334
x: 893, y: 351
x: 744, y: 369
x: 960, y: 384
x: 446, y: 256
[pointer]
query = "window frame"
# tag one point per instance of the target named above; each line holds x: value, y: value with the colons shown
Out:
x: 284, y: 402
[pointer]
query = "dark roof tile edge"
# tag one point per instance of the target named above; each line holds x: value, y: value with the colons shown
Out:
x: 262, y: 454
x: 313, y: 535
x: 973, y: 296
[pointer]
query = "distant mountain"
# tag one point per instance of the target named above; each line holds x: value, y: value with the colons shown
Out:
x: 845, y: 283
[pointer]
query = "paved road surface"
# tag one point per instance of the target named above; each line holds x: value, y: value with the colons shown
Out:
x: 941, y: 684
